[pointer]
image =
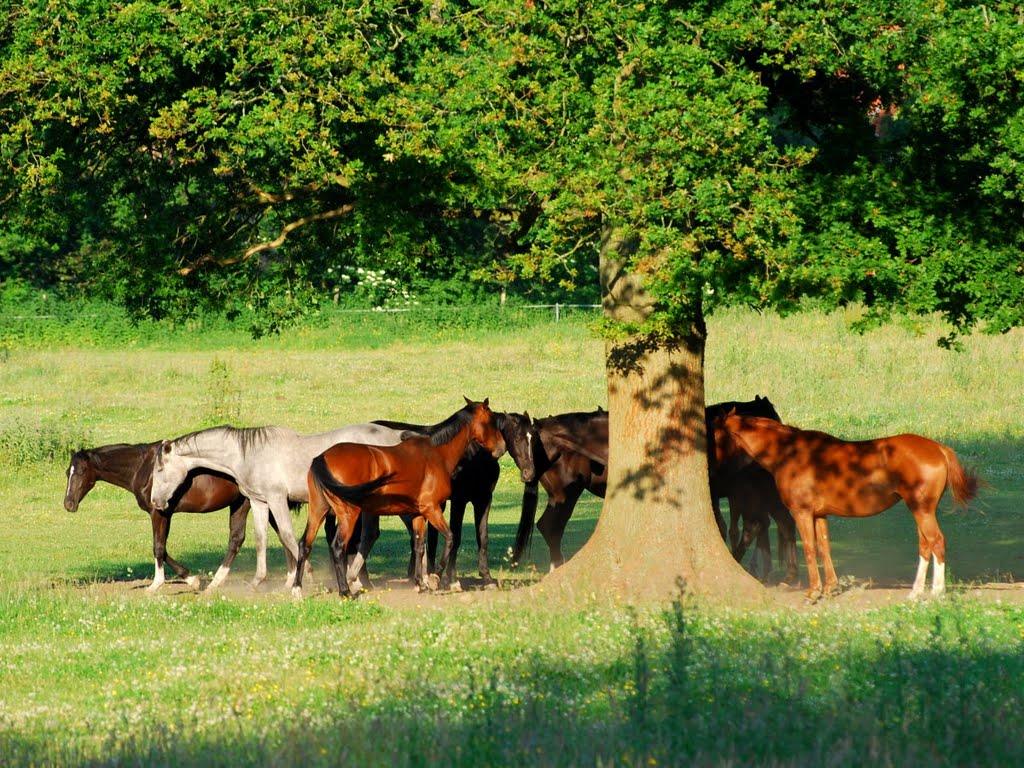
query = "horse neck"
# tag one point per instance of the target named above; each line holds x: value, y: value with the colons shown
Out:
x: 222, y: 455
x: 120, y: 465
x: 452, y: 451
x: 764, y: 442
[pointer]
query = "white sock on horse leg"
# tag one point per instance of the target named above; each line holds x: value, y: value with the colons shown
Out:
x: 938, y: 576
x: 922, y: 571
x: 218, y: 578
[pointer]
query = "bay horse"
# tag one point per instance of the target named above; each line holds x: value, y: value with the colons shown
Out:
x: 819, y: 475
x: 270, y: 466
x: 473, y: 482
x: 413, y: 477
x: 130, y: 466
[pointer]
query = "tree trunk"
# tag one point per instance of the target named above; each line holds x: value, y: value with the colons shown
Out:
x: 657, y: 529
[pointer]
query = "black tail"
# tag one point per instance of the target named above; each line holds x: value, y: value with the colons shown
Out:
x: 352, y: 494
x: 526, y: 520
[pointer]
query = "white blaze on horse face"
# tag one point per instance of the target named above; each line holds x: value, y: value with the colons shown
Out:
x: 71, y: 474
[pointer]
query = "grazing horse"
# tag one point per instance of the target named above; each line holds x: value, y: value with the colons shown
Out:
x: 753, y: 497
x: 130, y: 466
x: 270, y: 466
x: 412, y: 477
x: 473, y: 482
x: 819, y: 475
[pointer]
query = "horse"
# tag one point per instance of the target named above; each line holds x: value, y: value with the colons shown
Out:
x: 818, y: 475
x: 269, y: 464
x: 753, y: 498
x: 570, y: 456
x: 130, y: 466
x: 412, y: 477
x: 473, y: 482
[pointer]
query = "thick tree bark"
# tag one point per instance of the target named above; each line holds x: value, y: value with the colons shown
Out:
x: 657, y: 529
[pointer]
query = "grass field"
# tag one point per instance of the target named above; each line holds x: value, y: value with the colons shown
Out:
x: 95, y: 672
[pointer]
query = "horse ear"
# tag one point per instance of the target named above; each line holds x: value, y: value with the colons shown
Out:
x: 468, y: 401
x: 487, y: 402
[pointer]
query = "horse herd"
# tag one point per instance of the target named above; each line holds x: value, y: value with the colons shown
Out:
x: 351, y: 476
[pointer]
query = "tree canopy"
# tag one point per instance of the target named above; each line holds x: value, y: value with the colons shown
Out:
x: 232, y: 152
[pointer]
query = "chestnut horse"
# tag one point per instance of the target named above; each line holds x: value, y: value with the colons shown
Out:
x: 413, y: 477
x: 819, y: 475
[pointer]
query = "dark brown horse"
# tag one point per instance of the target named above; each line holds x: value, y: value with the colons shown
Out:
x: 130, y: 466
x: 819, y: 475
x: 473, y: 482
x: 413, y: 477
x: 752, y: 495
x: 570, y: 456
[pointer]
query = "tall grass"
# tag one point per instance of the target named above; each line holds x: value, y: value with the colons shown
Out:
x: 95, y: 672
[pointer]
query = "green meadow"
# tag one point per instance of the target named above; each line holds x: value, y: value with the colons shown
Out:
x: 95, y: 671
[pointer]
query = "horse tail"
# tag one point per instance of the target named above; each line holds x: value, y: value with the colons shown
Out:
x: 964, y: 484
x: 351, y: 494
x: 526, y: 520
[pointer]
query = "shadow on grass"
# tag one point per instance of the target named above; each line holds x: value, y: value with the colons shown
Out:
x: 919, y: 696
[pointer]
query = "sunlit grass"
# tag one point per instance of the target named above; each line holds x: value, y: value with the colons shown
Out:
x: 94, y: 671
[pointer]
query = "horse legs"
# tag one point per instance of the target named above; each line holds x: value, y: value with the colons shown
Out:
x: 421, y: 572
x: 367, y: 528
x: 318, y: 510
x: 805, y: 524
x: 786, y: 539
x: 825, y: 547
x: 481, y: 515
x: 456, y: 516
x: 282, y: 513
x: 931, y: 545
x: 347, y: 517
x: 236, y: 536
x: 161, y: 525
x: 433, y: 514
x: 556, y: 516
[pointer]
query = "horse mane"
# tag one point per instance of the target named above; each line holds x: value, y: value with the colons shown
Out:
x: 445, y: 431
x: 248, y: 438
x: 113, y: 457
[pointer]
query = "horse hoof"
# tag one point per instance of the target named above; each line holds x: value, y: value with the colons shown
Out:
x: 811, y: 598
x: 194, y: 582
x: 296, y: 593
x: 433, y: 582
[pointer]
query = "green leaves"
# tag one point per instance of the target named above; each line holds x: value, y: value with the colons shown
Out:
x: 229, y: 152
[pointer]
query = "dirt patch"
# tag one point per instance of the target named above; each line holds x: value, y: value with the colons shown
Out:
x: 400, y: 594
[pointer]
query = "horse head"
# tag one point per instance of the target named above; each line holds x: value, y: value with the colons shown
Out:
x: 484, y: 428
x: 169, y: 472
x: 520, y: 436
x: 727, y: 446
x: 81, y: 478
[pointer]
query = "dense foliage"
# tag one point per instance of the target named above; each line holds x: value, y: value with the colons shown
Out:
x: 237, y: 155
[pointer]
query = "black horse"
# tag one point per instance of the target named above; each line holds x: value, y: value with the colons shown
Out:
x: 571, y: 456
x: 753, y: 498
x: 473, y: 482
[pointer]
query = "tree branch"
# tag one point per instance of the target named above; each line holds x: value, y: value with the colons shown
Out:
x: 277, y: 242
